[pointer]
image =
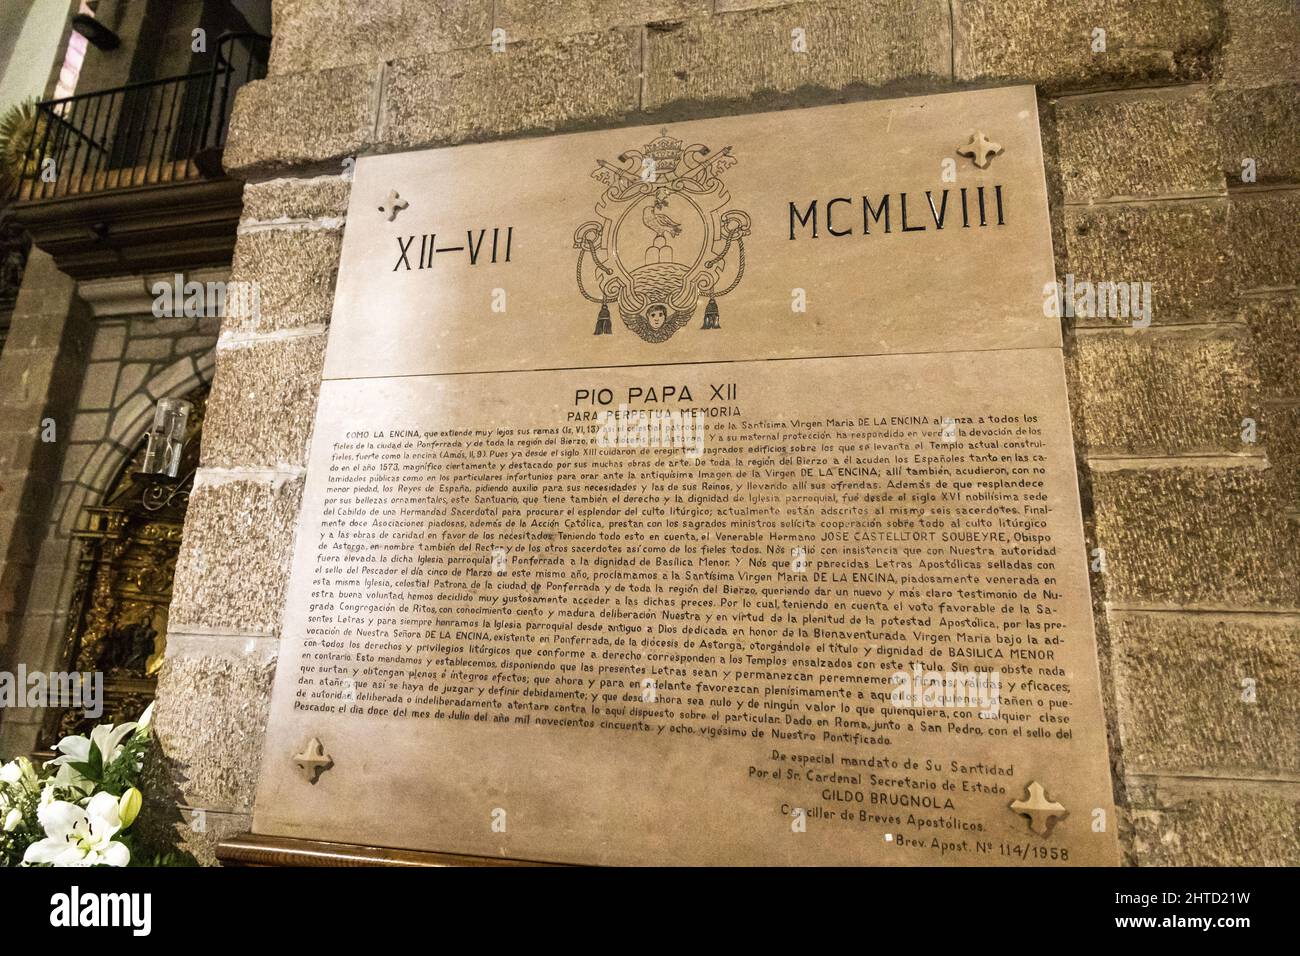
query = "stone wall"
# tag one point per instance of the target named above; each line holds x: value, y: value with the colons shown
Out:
x: 40, y: 377
x: 128, y: 360
x: 1144, y: 143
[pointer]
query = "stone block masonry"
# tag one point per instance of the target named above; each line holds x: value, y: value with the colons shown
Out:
x: 231, y: 574
x: 98, y: 380
x: 40, y: 371
x: 1170, y: 137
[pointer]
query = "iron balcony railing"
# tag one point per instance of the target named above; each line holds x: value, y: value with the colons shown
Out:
x: 141, y: 134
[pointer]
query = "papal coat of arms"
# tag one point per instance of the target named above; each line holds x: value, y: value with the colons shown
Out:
x: 665, y: 239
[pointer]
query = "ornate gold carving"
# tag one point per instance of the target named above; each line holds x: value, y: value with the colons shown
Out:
x: 129, y: 545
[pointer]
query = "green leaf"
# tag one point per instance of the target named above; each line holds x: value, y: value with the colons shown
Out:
x: 96, y: 762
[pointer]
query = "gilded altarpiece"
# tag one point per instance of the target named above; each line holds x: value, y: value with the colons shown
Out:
x: 129, y: 542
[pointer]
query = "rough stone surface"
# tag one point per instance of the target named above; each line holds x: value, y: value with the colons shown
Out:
x: 1184, y: 536
x: 1051, y: 43
x: 730, y: 6
x: 1260, y: 124
x: 209, y: 722
x: 1174, y: 536
x: 180, y: 375
x: 194, y: 831
x: 1275, y: 330
x: 41, y: 369
x: 1179, y: 247
x: 1137, y: 144
x: 323, y: 34
x: 148, y: 349
x: 1264, y: 237
x: 301, y: 119
x: 529, y: 19
x: 1184, y: 702
x: 294, y: 271
x: 542, y: 85
x: 1156, y: 392
x: 1279, y: 434
x: 234, y: 559
x: 263, y: 403
x: 1262, y: 42
x: 736, y: 55
x: 17, y: 736
x: 98, y: 385
x: 1238, y: 824
x: 320, y: 197
x: 109, y: 342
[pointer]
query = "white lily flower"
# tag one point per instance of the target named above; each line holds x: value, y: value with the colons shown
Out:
x: 73, y: 749
x: 107, y: 737
x: 77, y: 837
x: 20, y: 771
x: 68, y: 777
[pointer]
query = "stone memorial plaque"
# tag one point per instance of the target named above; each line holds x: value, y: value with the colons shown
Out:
x: 698, y: 495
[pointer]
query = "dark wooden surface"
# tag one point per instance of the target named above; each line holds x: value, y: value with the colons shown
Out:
x: 250, y: 849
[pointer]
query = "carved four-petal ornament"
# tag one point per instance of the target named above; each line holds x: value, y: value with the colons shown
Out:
x: 313, y: 761
x: 393, y: 205
x: 1041, y: 812
x: 980, y: 149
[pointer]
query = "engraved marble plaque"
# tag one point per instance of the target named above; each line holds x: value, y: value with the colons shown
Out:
x: 701, y: 494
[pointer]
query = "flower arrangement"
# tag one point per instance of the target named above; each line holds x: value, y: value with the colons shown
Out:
x: 78, y: 809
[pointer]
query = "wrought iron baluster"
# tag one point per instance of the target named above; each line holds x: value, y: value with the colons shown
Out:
x: 226, y: 74
x: 134, y: 135
x: 105, y: 142
x: 89, y: 164
x: 42, y: 155
x: 69, y: 165
x: 153, y: 133
x: 167, y: 159
x: 195, y: 107
x: 133, y: 158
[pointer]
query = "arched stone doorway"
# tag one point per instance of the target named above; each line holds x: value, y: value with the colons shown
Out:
x: 117, y: 620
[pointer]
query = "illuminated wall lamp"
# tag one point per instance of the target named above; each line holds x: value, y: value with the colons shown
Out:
x: 166, y: 438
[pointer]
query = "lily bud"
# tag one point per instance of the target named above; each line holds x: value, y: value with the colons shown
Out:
x: 129, y: 806
x: 12, y: 819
